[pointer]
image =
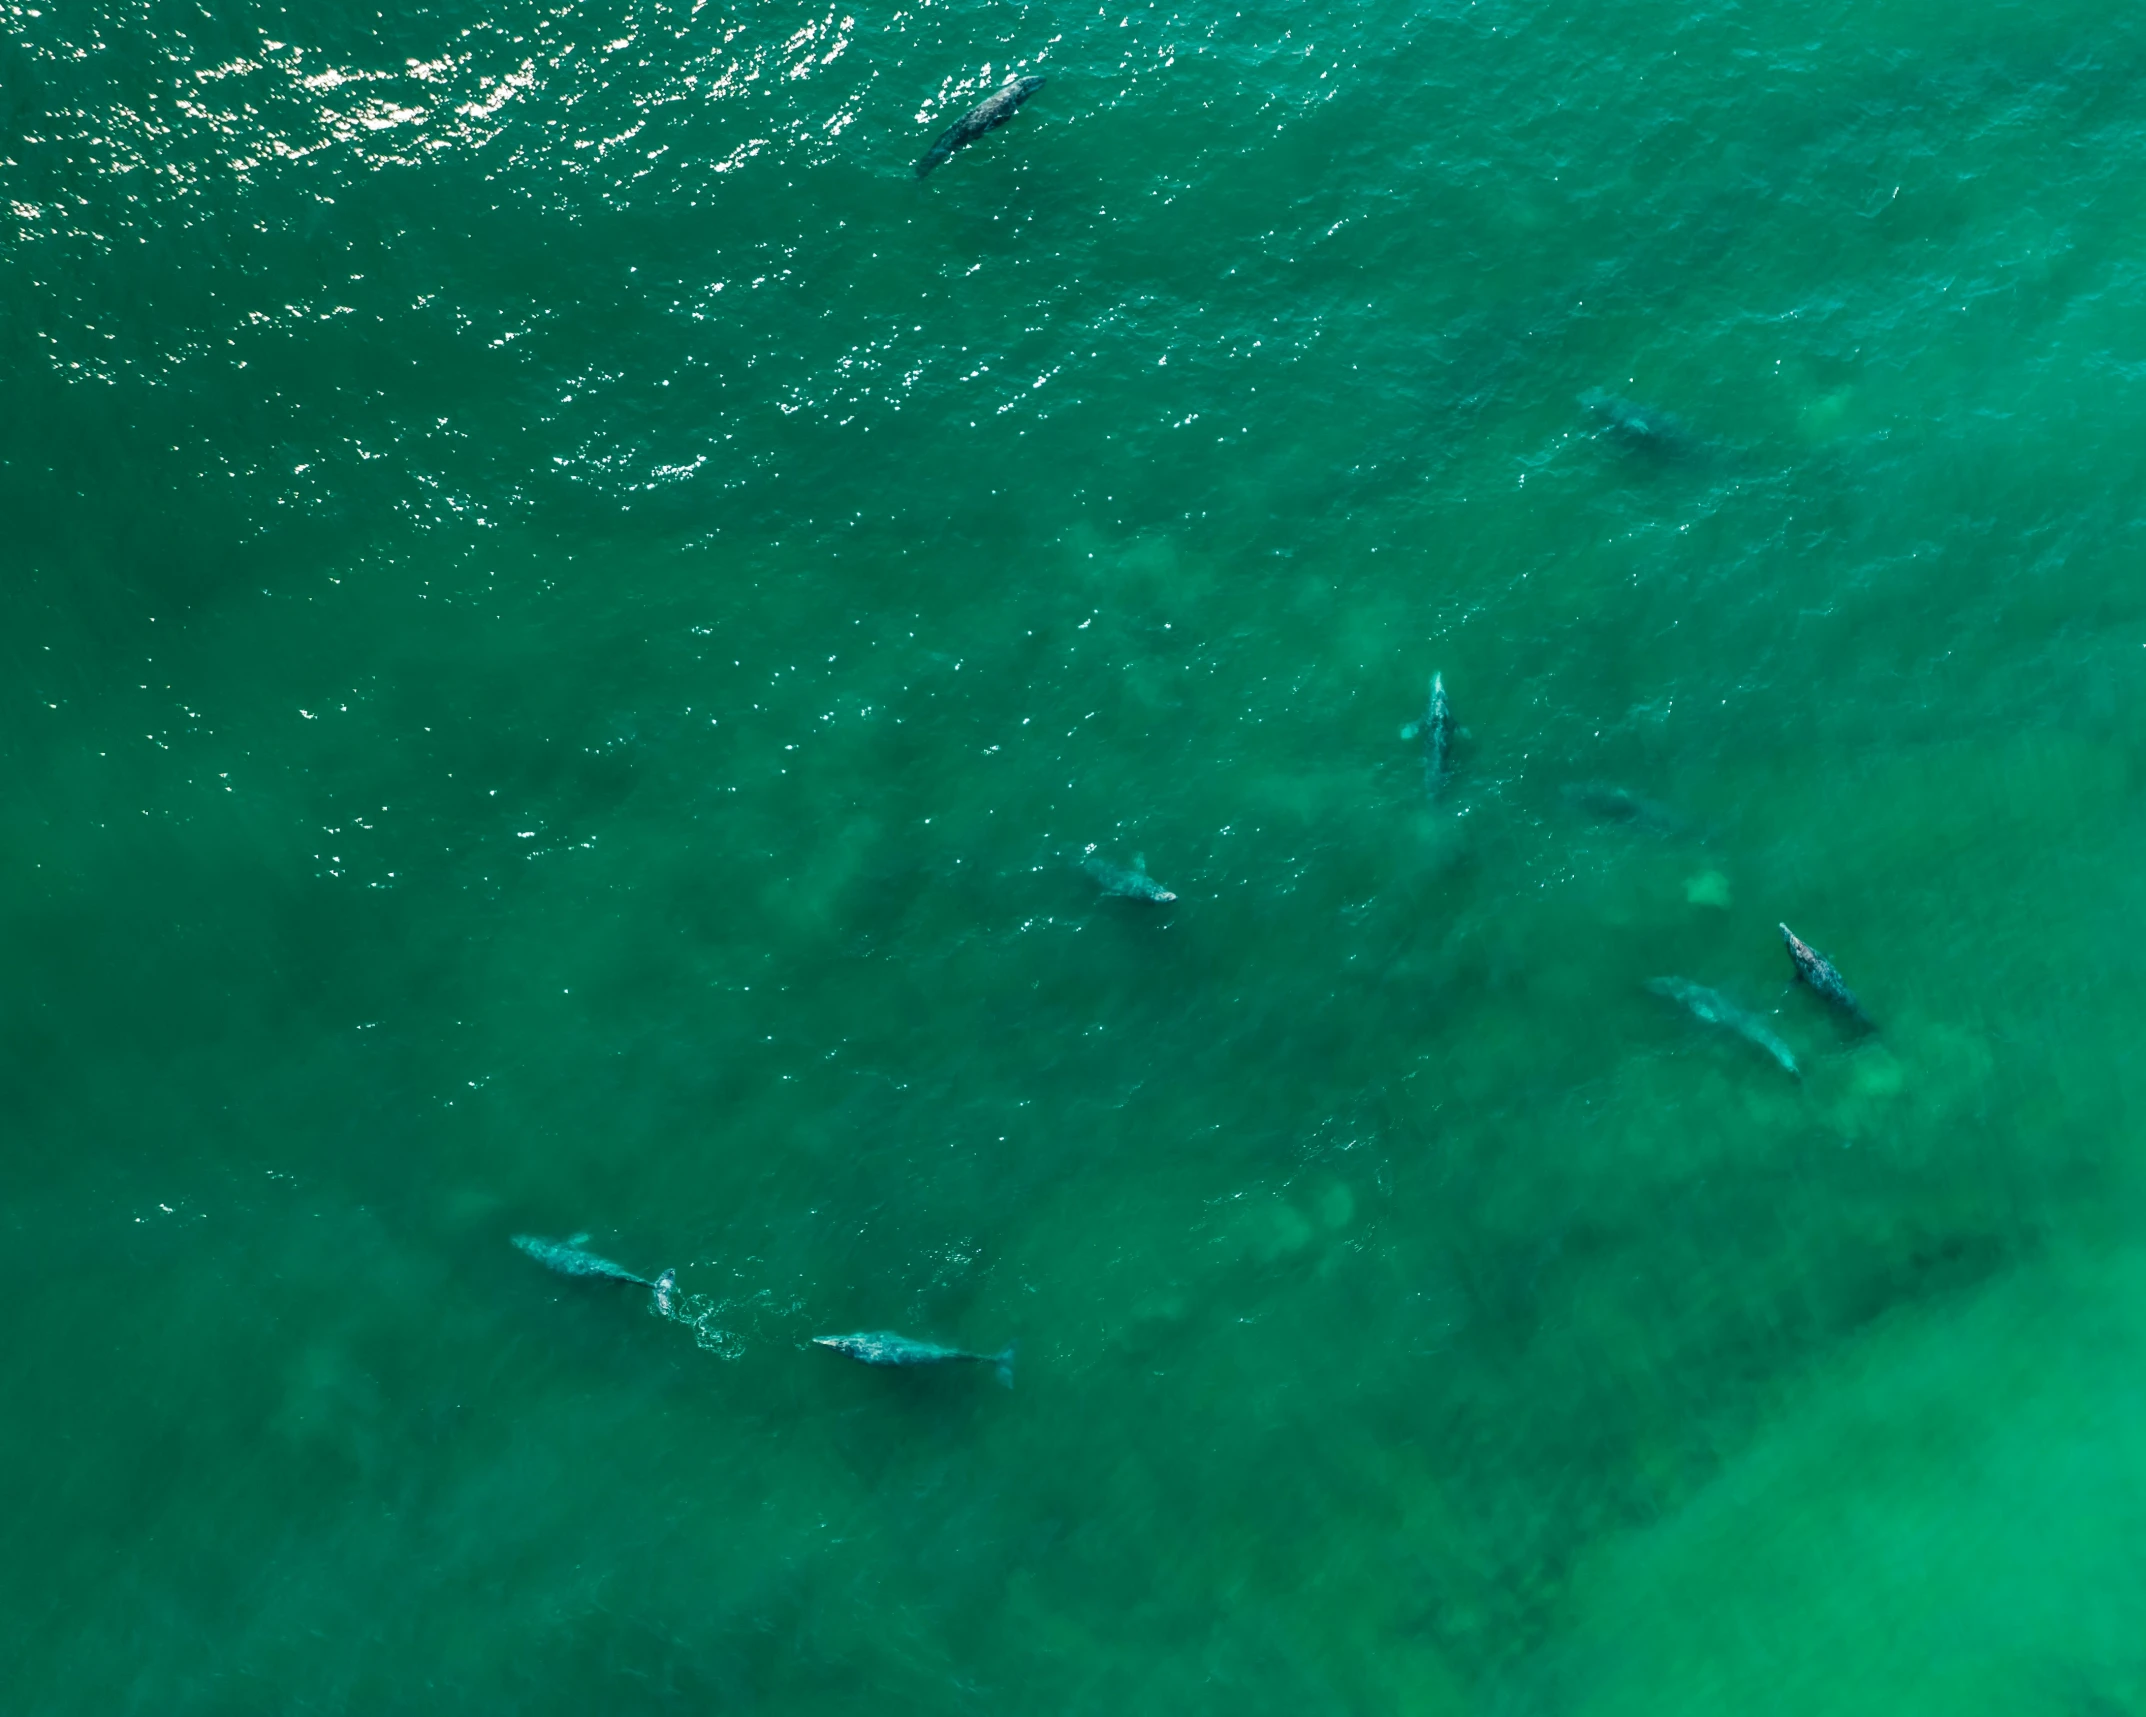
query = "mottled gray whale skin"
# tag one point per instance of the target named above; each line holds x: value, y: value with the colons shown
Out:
x: 1134, y: 884
x: 1716, y: 1009
x: 986, y: 115
x: 1817, y: 971
x: 884, y: 1347
x: 568, y: 1258
x: 1436, y: 731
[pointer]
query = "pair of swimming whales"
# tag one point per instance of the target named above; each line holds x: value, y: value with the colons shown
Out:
x: 571, y: 1257
x: 1437, y: 731
x: 1635, y: 425
x: 1812, y: 968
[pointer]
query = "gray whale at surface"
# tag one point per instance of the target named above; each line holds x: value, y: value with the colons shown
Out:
x: 1436, y: 730
x: 987, y: 115
x: 1818, y: 972
x: 884, y: 1347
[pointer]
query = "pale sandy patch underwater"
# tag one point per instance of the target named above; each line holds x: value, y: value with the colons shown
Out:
x: 1945, y: 1518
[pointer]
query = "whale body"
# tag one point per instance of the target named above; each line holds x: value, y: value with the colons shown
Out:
x: 1436, y: 732
x: 569, y: 1257
x: 1635, y: 425
x: 1134, y: 884
x: 884, y: 1347
x: 1818, y: 972
x: 986, y: 115
x: 1716, y: 1009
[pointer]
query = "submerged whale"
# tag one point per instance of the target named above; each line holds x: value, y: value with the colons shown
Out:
x: 1436, y: 731
x: 884, y: 1347
x: 1635, y: 425
x: 1716, y: 1009
x: 569, y: 1258
x: 1606, y: 801
x: 986, y: 115
x: 1134, y: 884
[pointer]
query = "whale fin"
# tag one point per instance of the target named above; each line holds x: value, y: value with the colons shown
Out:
x: 581, y: 1239
x: 1004, y: 1364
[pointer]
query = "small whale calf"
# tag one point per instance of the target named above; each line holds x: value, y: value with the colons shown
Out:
x: 1436, y: 730
x: 1716, y: 1009
x: 986, y: 115
x: 884, y: 1347
x: 1134, y: 884
x: 1817, y: 971
x: 1635, y: 425
x: 569, y: 1258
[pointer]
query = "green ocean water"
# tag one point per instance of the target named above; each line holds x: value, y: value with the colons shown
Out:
x: 567, y: 622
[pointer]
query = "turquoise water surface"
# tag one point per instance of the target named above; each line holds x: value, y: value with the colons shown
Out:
x: 569, y: 622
